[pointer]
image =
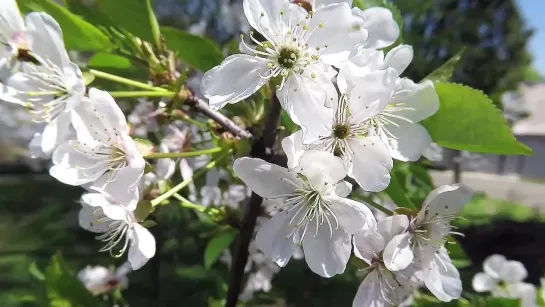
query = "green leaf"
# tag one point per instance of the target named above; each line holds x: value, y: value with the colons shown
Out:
x: 78, y: 33
x: 457, y: 254
x: 468, y: 120
x: 216, y: 246
x: 143, y: 210
x: 35, y: 271
x: 103, y: 60
x: 135, y: 16
x: 198, y: 52
x: 398, y: 194
x: 286, y: 121
x: 444, y: 73
x: 64, y: 288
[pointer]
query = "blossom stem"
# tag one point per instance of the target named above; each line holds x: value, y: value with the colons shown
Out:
x: 118, y: 79
x: 187, y: 204
x: 173, y: 155
x: 186, y: 182
x: 379, y: 207
x: 130, y: 94
x: 262, y: 148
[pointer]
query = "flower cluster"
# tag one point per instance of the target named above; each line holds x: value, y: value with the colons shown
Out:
x: 505, y: 278
x: 85, y: 132
x: 357, y: 114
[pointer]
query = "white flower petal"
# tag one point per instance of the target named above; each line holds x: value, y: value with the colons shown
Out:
x: 338, y: 29
x: 235, y: 79
x: 399, y: 58
x: 44, y: 38
x: 142, y: 247
x: 265, y: 16
x: 273, y: 238
x: 398, y: 253
x: 368, y: 244
x: 55, y: 133
x: 493, y: 265
x: 410, y: 142
x: 89, y: 221
x: 353, y: 216
x: 392, y: 226
x: 110, y: 114
x: 11, y: 22
x: 483, y: 282
x: 293, y: 148
x: 266, y: 179
x: 303, y: 93
x: 441, y: 277
x: 422, y: 101
x: 513, y: 272
x: 381, y: 27
x: 343, y: 188
x: 362, y: 62
x: 73, y: 167
x: 122, y: 185
x: 322, y: 167
x: 111, y: 210
x: 367, y: 101
x: 326, y: 254
x: 371, y: 163
x: 447, y: 200
x: 525, y: 292
x: 320, y: 3
x: 370, y: 293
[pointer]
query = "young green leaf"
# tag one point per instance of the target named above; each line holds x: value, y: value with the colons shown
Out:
x: 444, y: 73
x: 78, y: 33
x: 216, y: 246
x: 64, y: 288
x: 398, y: 194
x: 468, y: 120
x: 135, y: 16
x: 103, y: 60
x: 196, y: 51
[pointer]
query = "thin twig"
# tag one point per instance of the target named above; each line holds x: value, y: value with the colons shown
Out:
x: 202, y: 107
x: 262, y: 148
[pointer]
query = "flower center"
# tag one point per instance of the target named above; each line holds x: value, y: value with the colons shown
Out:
x: 287, y: 57
x: 341, y: 131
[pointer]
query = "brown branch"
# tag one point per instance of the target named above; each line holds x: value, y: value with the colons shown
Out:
x: 202, y: 107
x: 262, y: 148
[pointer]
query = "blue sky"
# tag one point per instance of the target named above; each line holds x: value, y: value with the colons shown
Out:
x: 534, y: 13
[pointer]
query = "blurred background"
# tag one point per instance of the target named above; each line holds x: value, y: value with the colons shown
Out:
x: 502, y: 43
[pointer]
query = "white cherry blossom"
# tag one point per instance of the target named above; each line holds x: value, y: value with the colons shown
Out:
x: 381, y: 285
x: 100, y: 280
x: 505, y: 278
x: 350, y: 135
x: 12, y: 36
x: 53, y: 88
x: 119, y: 229
x: 312, y: 213
x: 422, y: 242
x: 401, y: 108
x: 298, y: 50
x: 103, y: 158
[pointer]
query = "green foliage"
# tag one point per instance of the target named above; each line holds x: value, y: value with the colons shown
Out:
x: 135, y: 16
x: 286, y: 121
x: 64, y: 289
x: 196, y: 51
x: 444, y: 73
x: 103, y: 60
x: 217, y: 245
x: 468, y: 120
x: 397, y: 193
x: 78, y: 34
x: 483, y: 210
